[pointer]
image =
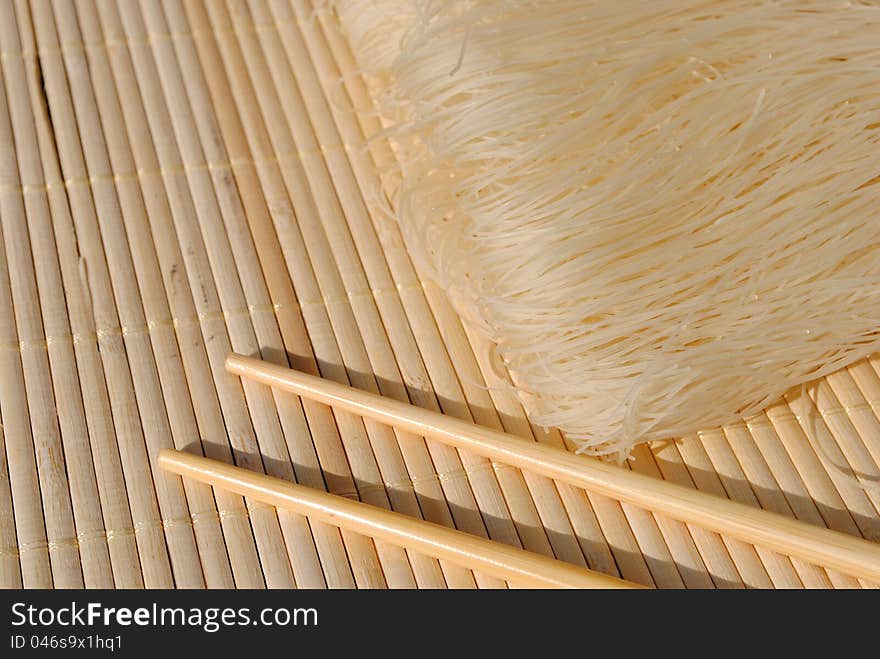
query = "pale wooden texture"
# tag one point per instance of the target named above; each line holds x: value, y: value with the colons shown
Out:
x: 516, y: 565
x: 182, y: 179
x: 812, y: 543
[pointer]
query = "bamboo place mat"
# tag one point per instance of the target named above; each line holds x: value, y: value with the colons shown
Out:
x: 184, y: 179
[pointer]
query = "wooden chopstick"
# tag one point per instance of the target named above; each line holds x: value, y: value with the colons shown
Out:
x: 824, y: 547
x: 523, y: 567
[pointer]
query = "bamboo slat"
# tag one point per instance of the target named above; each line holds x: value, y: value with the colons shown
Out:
x: 326, y: 438
x: 221, y: 409
x: 90, y: 532
x: 22, y: 468
x: 10, y: 569
x: 109, y: 276
x: 183, y: 412
x: 47, y: 445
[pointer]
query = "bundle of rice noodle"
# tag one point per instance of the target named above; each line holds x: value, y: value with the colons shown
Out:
x: 664, y: 214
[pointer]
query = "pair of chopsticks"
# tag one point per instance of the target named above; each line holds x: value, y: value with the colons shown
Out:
x: 853, y: 556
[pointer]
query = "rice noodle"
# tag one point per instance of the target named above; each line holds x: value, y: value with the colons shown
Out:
x: 665, y: 214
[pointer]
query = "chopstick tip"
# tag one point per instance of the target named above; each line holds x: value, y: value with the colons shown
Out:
x: 234, y: 363
x: 166, y: 456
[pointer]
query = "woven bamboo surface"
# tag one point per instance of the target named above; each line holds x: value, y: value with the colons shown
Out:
x: 183, y: 179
